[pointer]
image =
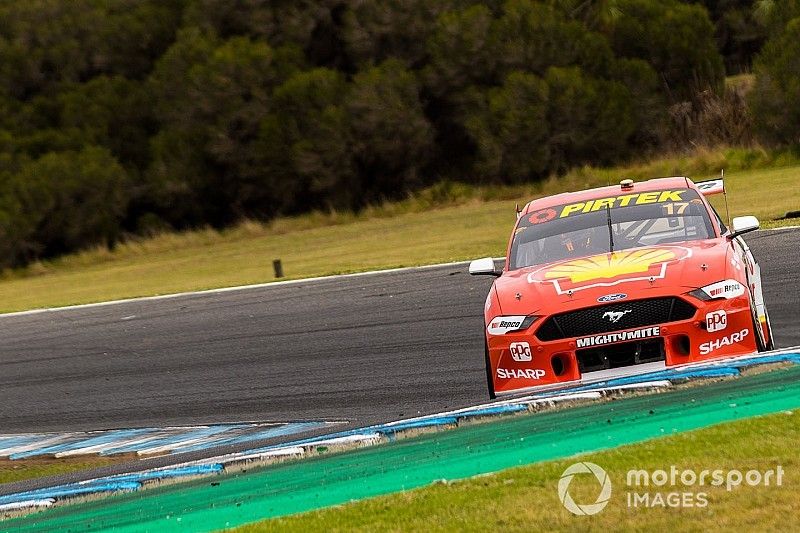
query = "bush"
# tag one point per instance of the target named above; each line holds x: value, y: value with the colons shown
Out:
x: 591, y: 120
x: 304, y: 143
x: 712, y: 120
x: 60, y: 202
x: 459, y: 51
x: 392, y: 138
x: 677, y: 39
x: 775, y: 99
x: 212, y: 97
x: 534, y: 37
x: 510, y: 129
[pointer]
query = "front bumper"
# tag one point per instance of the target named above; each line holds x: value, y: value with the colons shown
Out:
x: 719, y: 328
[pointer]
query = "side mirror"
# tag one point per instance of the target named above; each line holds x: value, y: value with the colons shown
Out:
x: 743, y: 225
x: 483, y: 267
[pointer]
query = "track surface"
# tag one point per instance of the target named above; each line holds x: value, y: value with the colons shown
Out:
x: 365, y: 349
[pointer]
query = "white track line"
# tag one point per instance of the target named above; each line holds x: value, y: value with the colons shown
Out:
x: 779, y: 228
x: 235, y: 288
x: 46, y: 502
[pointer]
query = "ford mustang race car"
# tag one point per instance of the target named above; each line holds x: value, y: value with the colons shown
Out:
x: 620, y: 280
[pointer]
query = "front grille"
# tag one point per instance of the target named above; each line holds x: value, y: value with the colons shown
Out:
x: 596, y: 320
x: 619, y: 355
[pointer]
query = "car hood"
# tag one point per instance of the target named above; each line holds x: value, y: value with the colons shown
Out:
x: 644, y: 272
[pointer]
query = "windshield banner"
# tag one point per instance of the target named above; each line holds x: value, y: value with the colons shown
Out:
x: 623, y: 200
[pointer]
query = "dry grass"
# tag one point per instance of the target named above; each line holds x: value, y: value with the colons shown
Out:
x: 11, y: 471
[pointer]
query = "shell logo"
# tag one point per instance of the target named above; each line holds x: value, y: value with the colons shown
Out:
x: 610, y: 265
x: 605, y: 270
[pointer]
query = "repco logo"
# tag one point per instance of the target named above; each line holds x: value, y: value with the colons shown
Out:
x: 505, y: 324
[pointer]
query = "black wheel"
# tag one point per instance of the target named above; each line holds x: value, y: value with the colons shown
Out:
x: 770, y: 344
x: 489, y: 374
x: 762, y: 343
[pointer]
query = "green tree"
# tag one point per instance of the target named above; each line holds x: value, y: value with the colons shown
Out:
x: 533, y: 36
x: 43, y: 42
x: 278, y: 21
x: 462, y: 64
x: 596, y: 14
x: 459, y: 51
x: 61, y: 202
x: 590, y: 119
x: 212, y: 98
x: 376, y: 30
x: 305, y: 144
x: 774, y: 15
x: 134, y: 34
x: 646, y: 103
x: 775, y: 99
x: 509, y: 127
x: 310, y: 26
x: 178, y: 162
x: 392, y: 138
x: 219, y: 110
x: 739, y: 32
x: 677, y: 40
x: 113, y: 112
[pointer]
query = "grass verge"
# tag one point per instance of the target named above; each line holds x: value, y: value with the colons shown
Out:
x: 447, y: 222
x: 526, y: 499
x: 11, y: 471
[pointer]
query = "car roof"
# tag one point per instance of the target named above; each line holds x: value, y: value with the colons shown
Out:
x: 656, y: 184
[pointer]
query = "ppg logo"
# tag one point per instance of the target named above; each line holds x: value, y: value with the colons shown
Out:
x: 716, y: 321
x: 520, y: 351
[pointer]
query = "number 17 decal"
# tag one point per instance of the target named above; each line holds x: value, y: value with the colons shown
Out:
x: 675, y: 208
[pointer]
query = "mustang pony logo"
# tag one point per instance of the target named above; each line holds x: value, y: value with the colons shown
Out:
x: 616, y: 267
x: 614, y: 316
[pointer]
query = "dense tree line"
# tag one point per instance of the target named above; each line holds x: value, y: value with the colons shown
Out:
x: 129, y: 116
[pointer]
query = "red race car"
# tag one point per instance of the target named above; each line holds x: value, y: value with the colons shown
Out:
x: 621, y: 280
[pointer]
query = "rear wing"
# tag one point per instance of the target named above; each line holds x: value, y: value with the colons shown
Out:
x: 707, y: 188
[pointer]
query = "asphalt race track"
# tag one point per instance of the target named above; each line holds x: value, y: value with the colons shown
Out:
x: 365, y: 349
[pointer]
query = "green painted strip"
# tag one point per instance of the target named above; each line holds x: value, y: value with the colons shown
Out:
x: 406, y: 464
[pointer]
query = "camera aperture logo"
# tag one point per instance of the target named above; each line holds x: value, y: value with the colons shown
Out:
x: 602, y: 498
x: 665, y: 488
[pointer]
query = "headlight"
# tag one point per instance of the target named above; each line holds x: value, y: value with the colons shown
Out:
x: 508, y: 324
x: 729, y: 288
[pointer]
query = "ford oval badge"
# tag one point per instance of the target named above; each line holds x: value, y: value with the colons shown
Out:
x: 612, y: 297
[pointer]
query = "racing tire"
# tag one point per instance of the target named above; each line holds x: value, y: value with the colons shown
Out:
x: 762, y: 344
x: 770, y: 344
x: 489, y: 374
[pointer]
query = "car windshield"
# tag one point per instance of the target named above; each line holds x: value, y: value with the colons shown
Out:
x: 608, y: 224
